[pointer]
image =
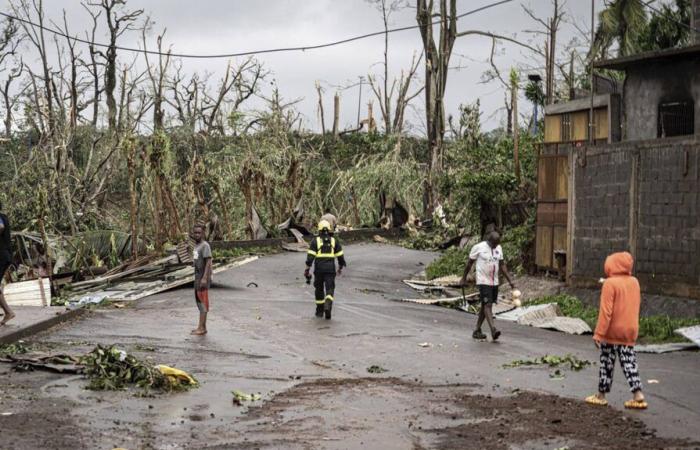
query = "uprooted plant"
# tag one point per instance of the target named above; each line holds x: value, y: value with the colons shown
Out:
x: 110, y: 368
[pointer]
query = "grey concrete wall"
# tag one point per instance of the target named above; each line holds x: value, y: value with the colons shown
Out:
x: 601, y: 196
x: 649, y: 84
x: 644, y: 198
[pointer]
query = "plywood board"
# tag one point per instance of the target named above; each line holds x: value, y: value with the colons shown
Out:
x: 561, y: 188
x: 579, y: 126
x: 559, y: 239
x: 29, y: 293
x: 543, y: 251
x: 552, y: 129
x: 547, y: 178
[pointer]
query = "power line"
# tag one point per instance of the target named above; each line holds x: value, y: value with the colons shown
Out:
x: 248, y: 53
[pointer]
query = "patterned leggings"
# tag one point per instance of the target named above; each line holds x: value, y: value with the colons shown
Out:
x: 628, y: 361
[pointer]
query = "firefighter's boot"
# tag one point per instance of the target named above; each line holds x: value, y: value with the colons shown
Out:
x: 319, y: 309
x: 328, y: 306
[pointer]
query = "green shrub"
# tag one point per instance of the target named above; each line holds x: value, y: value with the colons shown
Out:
x: 450, y: 263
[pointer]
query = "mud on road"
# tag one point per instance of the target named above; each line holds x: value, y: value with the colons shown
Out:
x: 328, y: 413
x: 313, y: 375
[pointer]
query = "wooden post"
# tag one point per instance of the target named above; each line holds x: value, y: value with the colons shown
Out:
x: 336, y: 114
x: 571, y: 212
x: 516, y: 133
x: 370, y: 118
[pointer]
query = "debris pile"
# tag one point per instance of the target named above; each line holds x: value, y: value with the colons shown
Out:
x: 110, y: 368
x: 107, y: 367
x: 144, y: 277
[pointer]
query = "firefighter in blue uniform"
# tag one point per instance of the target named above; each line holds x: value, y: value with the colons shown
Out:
x: 323, y: 251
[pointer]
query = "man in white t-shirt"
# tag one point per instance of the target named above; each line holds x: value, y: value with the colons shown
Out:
x: 488, y: 256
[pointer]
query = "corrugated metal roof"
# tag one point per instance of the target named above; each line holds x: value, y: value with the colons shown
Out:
x: 687, y: 53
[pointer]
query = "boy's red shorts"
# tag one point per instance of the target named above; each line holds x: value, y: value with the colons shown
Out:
x: 201, y: 298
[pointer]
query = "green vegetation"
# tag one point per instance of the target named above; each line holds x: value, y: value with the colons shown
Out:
x: 109, y: 369
x: 450, y: 263
x: 15, y: 348
x: 656, y: 329
x: 376, y: 369
x: 574, y: 363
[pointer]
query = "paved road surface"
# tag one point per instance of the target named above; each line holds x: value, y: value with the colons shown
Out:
x: 313, y: 374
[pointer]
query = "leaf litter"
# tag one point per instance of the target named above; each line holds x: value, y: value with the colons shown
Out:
x: 553, y: 361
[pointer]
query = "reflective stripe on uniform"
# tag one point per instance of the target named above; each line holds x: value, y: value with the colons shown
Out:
x: 329, y: 297
x: 320, y: 302
x: 320, y: 254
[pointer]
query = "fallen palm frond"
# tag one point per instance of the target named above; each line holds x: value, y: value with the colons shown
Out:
x: 110, y: 368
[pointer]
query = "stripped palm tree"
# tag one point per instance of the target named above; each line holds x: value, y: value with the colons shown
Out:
x: 620, y: 26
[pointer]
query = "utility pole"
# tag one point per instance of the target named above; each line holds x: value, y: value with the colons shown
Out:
x: 359, y: 102
x: 591, y: 137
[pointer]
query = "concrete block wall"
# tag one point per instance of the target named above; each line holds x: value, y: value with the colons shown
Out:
x: 601, y: 208
x: 643, y: 198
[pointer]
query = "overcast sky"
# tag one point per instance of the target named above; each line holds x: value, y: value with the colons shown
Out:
x: 227, y: 26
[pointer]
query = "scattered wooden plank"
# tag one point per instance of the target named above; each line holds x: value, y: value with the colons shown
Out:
x: 130, y: 290
x: 28, y: 293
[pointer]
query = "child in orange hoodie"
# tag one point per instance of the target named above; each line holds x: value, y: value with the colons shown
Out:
x: 617, y: 329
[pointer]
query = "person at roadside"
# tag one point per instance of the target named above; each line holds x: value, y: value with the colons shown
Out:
x: 617, y: 329
x: 330, y: 218
x: 202, y: 259
x: 488, y: 258
x: 323, y: 251
x: 5, y: 262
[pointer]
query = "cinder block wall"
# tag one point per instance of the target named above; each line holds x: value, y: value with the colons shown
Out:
x: 641, y: 197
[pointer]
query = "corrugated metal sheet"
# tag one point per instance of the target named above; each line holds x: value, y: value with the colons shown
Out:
x: 570, y: 325
x: 692, y: 333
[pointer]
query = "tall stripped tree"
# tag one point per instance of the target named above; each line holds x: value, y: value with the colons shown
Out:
x: 382, y: 87
x: 10, y: 40
x: 119, y: 21
x: 437, y: 60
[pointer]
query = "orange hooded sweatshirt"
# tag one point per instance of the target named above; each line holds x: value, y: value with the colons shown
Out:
x: 618, y: 317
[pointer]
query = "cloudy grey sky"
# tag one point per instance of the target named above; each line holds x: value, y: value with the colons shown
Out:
x: 226, y: 26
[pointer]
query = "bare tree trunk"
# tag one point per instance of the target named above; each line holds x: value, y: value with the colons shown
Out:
x: 117, y: 24
x: 516, y: 131
x: 437, y: 60
x: 336, y: 114
x: 320, y: 108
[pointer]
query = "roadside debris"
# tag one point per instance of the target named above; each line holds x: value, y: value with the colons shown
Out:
x: 425, y: 344
x: 13, y: 349
x: 29, y: 293
x: 378, y: 239
x: 573, y: 362
x: 64, y: 364
x: 666, y: 348
x: 239, y: 397
x: 110, y: 368
x: 376, y: 369
x: 148, y: 278
x: 690, y: 333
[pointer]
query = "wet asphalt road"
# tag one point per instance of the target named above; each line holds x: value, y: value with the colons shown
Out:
x: 266, y: 340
